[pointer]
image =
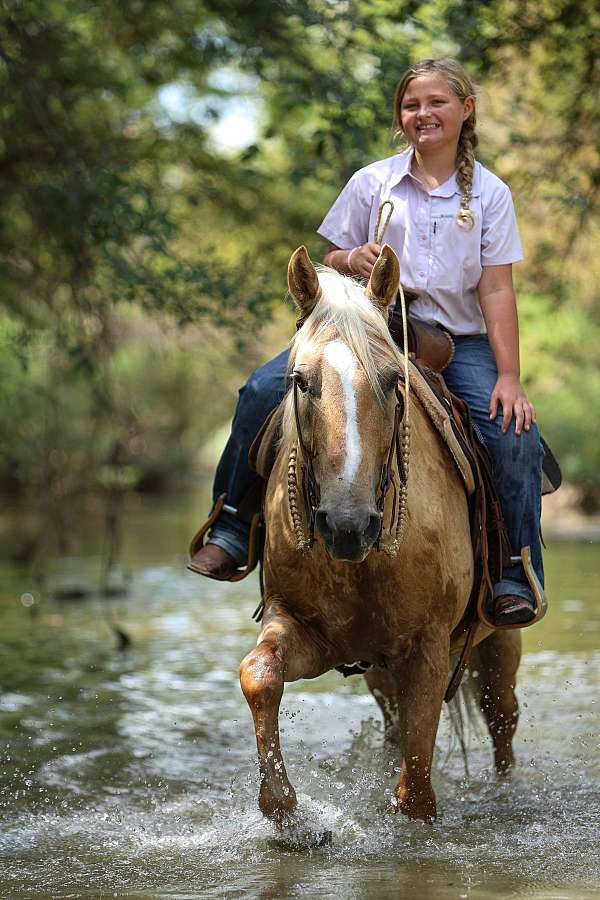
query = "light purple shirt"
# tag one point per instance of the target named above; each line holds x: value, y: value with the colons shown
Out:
x: 439, y: 260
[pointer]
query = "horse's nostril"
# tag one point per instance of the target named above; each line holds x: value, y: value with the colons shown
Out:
x: 321, y: 522
x: 332, y: 523
x: 373, y: 527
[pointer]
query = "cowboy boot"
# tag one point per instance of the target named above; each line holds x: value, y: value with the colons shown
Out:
x: 214, y: 562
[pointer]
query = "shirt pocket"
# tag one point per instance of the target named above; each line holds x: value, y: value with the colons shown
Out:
x: 446, y: 269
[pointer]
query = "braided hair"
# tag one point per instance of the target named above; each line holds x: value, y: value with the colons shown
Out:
x: 459, y: 82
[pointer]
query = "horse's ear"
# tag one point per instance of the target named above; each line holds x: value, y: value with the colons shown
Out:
x: 385, y: 278
x: 302, y: 280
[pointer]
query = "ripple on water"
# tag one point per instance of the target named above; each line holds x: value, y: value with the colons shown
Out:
x: 136, y: 776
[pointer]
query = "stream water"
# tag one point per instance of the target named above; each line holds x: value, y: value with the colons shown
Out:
x: 131, y: 773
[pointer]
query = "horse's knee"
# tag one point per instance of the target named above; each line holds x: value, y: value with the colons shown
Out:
x: 261, y: 676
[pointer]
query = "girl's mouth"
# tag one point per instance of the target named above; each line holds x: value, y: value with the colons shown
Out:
x: 431, y: 126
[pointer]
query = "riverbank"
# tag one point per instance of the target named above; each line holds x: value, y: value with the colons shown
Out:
x: 563, y: 520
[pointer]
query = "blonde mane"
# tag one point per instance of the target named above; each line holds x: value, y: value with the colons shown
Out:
x: 343, y: 312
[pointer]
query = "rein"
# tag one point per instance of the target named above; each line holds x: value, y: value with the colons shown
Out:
x: 310, y: 488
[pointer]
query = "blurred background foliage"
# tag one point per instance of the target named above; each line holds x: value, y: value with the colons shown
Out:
x: 158, y: 163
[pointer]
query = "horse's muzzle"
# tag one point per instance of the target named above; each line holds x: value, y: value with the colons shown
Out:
x: 348, y: 536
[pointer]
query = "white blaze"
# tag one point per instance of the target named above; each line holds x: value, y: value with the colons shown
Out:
x: 341, y: 358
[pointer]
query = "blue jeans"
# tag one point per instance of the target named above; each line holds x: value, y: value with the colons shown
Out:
x: 516, y: 460
x: 263, y: 391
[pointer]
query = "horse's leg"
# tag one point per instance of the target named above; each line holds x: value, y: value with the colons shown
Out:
x: 497, y: 662
x: 385, y: 689
x: 284, y: 652
x: 422, y: 678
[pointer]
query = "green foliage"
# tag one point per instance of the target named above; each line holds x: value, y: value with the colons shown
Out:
x: 123, y: 217
x: 560, y: 351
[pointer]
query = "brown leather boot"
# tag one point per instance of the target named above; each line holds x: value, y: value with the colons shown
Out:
x: 214, y: 562
x: 510, y: 609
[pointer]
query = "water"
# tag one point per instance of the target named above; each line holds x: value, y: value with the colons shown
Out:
x: 132, y: 774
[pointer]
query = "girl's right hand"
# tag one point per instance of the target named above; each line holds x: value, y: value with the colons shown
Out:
x: 364, y: 258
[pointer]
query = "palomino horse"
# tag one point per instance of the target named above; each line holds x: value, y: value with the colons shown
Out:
x: 343, y: 600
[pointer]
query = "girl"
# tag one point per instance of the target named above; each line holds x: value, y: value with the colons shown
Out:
x: 453, y: 228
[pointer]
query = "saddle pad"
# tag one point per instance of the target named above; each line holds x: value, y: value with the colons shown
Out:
x: 440, y: 418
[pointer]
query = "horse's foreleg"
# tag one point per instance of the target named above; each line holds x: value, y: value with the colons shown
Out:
x: 261, y: 677
x: 422, y: 681
x: 282, y: 654
x: 497, y: 661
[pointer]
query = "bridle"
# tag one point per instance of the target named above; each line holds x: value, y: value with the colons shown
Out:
x: 399, y: 450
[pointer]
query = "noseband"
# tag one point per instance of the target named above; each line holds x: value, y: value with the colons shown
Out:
x: 399, y: 449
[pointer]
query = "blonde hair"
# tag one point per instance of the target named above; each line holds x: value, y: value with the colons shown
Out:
x: 460, y: 84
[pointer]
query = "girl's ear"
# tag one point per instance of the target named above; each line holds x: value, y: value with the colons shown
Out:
x: 385, y: 279
x: 302, y: 280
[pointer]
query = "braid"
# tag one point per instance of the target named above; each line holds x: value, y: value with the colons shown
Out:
x: 465, y: 162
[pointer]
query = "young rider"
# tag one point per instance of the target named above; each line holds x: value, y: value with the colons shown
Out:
x: 453, y: 227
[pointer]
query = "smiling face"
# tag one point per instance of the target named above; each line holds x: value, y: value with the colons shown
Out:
x: 431, y: 115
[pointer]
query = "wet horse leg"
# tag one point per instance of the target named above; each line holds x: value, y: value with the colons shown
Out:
x: 421, y: 692
x: 284, y: 652
x: 385, y: 689
x: 497, y: 662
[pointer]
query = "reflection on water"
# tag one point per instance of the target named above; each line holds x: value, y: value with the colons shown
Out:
x: 133, y: 774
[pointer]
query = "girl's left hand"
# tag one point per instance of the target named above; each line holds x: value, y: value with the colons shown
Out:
x: 509, y: 394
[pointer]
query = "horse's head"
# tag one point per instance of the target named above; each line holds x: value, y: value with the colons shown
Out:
x: 345, y: 368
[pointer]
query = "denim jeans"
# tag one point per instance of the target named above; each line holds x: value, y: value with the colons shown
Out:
x: 263, y: 391
x: 516, y: 459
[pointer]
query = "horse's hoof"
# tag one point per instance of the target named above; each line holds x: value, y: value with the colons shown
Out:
x: 300, y: 842
x: 298, y: 833
x: 326, y: 839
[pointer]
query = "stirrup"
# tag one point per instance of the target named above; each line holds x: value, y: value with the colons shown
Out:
x: 539, y: 596
x: 219, y: 506
x: 541, y: 601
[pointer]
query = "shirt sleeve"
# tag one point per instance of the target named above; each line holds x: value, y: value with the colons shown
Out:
x: 347, y: 223
x: 500, y: 241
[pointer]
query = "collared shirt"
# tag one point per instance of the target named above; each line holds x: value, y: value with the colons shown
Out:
x: 439, y: 260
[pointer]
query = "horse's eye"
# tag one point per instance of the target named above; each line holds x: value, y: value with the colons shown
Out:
x: 389, y: 382
x: 301, y: 381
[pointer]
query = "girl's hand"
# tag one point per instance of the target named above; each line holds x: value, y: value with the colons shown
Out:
x: 509, y: 394
x: 364, y: 258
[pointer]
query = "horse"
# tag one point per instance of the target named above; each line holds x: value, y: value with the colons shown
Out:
x: 341, y: 597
